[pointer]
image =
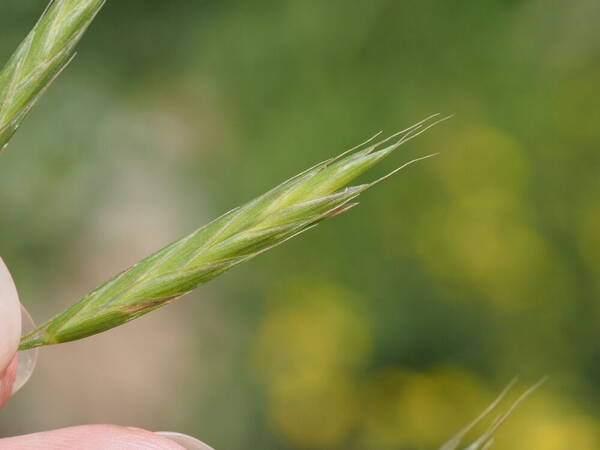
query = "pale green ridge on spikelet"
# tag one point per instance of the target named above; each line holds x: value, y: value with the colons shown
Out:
x: 40, y: 58
x: 241, y: 234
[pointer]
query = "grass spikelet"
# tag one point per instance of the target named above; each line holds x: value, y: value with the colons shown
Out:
x: 486, y: 440
x: 40, y: 58
x: 284, y: 212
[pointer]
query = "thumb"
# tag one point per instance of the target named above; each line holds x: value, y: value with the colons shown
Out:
x: 10, y: 323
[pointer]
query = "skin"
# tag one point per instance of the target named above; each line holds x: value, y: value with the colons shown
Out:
x: 90, y: 437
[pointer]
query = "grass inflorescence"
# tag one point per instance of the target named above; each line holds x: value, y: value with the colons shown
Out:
x: 486, y: 439
x: 40, y: 58
x: 284, y: 212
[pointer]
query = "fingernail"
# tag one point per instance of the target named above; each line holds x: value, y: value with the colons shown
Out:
x: 187, y: 442
x: 10, y: 318
x: 27, y: 358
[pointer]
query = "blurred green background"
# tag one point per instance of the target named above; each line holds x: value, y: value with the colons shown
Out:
x: 387, y: 328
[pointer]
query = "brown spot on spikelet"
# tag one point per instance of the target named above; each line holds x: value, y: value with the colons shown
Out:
x: 134, y: 309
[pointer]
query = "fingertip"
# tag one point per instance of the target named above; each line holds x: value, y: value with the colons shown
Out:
x: 7, y: 381
x: 91, y: 437
x: 10, y: 318
x: 187, y: 442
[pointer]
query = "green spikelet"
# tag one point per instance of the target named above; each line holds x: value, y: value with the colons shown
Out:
x: 40, y: 58
x: 284, y: 212
x: 486, y: 439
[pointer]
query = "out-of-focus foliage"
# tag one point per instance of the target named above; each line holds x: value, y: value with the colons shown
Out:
x: 463, y: 271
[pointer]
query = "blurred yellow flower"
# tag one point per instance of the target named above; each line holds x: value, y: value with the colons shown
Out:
x: 547, y: 423
x: 309, y: 346
x: 483, y: 237
x: 485, y: 162
x: 405, y: 408
x: 319, y: 411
